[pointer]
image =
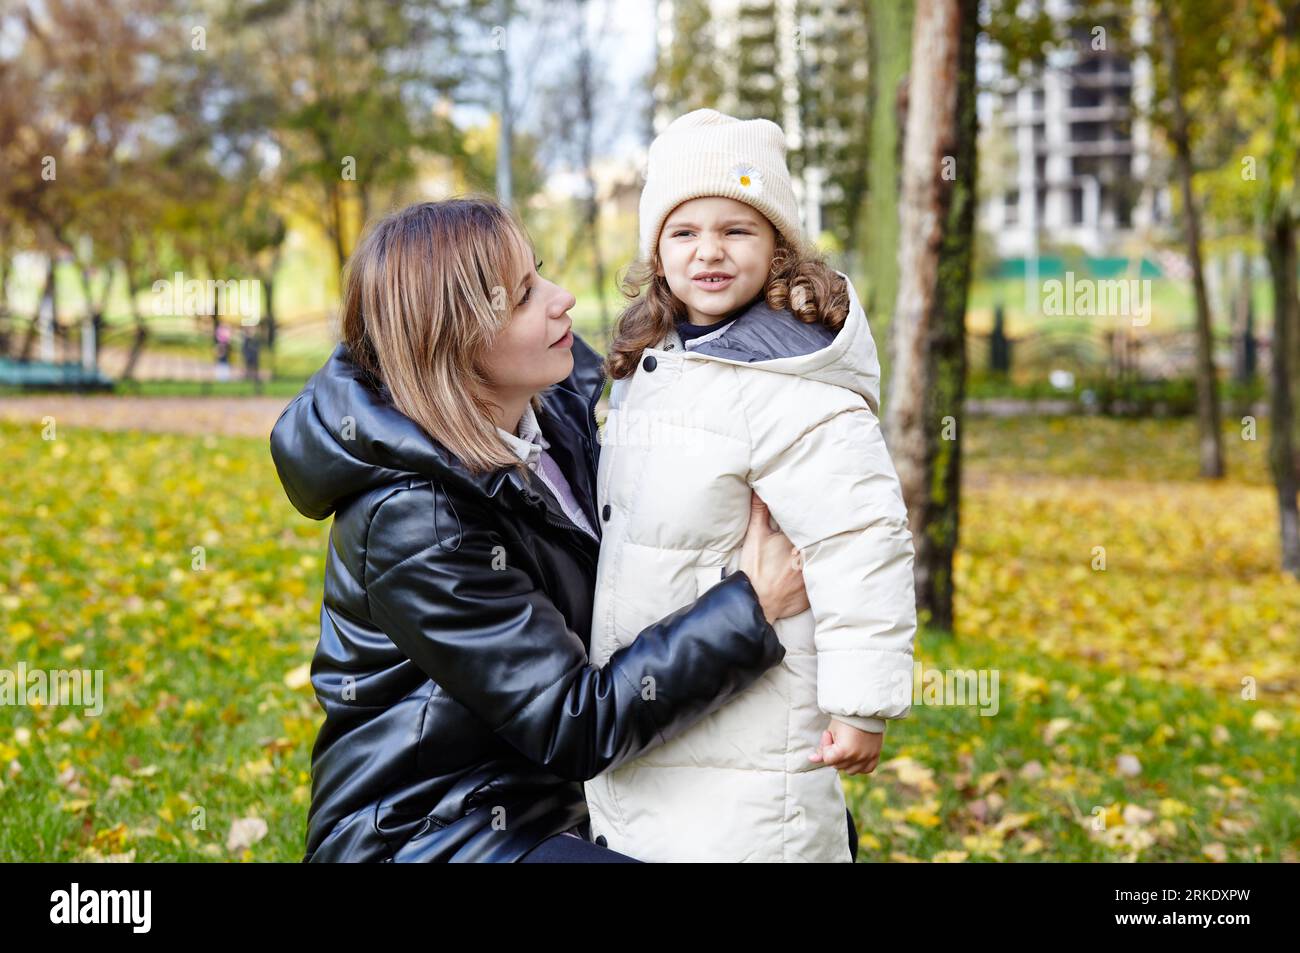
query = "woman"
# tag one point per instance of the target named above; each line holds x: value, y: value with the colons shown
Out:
x: 451, y: 435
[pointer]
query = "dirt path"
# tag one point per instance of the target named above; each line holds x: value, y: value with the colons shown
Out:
x: 220, y: 416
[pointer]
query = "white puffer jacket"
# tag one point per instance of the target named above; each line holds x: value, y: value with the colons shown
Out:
x: 790, y: 410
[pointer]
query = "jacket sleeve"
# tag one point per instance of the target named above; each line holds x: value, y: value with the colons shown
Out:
x: 481, y: 629
x: 831, y: 486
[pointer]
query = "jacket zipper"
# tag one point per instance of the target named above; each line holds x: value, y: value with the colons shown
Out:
x: 586, y: 537
x: 593, y: 436
x: 591, y: 419
x: 536, y: 500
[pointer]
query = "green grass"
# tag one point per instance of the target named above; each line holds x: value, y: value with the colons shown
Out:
x: 1207, y: 775
x: 280, y: 387
x: 101, y: 530
x: 208, y: 714
x: 1149, y: 449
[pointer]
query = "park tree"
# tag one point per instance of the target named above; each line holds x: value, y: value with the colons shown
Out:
x: 890, y: 54
x: 927, y: 340
x: 1248, y: 154
x: 1276, y: 31
x: 578, y: 113
x: 1189, y: 47
x: 80, y: 88
x: 352, y: 97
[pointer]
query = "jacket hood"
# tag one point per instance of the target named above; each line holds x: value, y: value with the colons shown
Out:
x: 779, y: 343
x: 342, y: 436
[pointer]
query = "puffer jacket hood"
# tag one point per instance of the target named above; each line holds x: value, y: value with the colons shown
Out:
x: 341, y: 436
x: 785, y: 345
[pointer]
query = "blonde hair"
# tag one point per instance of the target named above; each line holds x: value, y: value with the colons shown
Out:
x: 425, y: 293
x: 799, y: 279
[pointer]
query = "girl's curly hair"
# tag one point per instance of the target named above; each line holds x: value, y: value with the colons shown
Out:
x: 800, y: 280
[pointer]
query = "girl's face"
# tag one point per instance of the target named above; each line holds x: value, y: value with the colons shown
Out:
x: 534, y: 348
x: 715, y: 236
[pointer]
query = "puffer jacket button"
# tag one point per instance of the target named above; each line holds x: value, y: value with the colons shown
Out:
x: 600, y: 839
x: 604, y: 512
x: 649, y: 363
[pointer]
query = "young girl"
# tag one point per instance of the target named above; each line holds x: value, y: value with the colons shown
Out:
x: 748, y: 363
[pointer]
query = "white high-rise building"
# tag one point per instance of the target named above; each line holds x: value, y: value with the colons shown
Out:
x: 1066, y: 154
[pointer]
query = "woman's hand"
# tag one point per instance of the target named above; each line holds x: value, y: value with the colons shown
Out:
x: 774, y: 567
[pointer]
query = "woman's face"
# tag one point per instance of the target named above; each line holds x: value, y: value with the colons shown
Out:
x: 534, y: 348
x: 715, y: 236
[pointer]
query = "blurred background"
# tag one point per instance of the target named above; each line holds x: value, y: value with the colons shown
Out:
x: 1082, y: 214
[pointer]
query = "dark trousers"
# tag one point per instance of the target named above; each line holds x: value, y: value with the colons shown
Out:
x: 562, y: 849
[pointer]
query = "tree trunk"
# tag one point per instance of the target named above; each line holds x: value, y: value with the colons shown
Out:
x: 927, y: 340
x: 505, y: 134
x: 1293, y: 343
x: 335, y: 226
x: 96, y: 308
x: 591, y: 211
x: 890, y: 37
x: 6, y: 266
x: 1209, y: 432
x: 29, y: 336
x: 1281, y: 243
x: 268, y: 293
x: 141, y: 338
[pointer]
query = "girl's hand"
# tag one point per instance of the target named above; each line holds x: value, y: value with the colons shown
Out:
x: 849, y: 749
x: 773, y: 565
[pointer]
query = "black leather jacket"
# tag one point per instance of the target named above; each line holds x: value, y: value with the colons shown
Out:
x: 461, y: 710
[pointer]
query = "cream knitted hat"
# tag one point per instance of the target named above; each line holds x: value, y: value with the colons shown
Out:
x: 706, y: 152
